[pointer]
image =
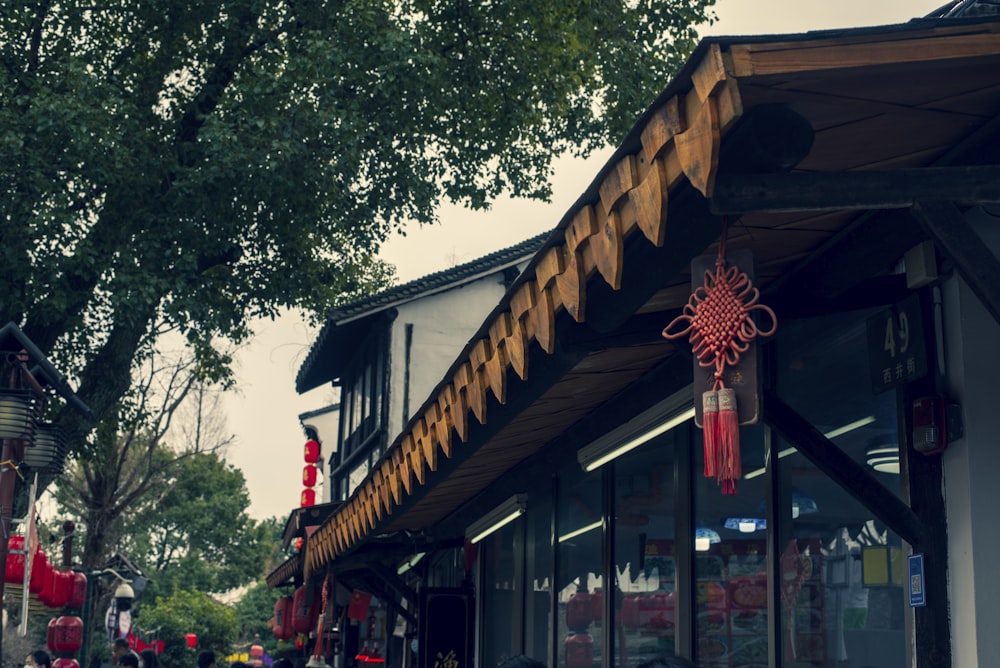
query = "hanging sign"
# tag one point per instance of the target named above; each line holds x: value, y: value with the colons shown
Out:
x: 446, y: 631
x: 897, y: 349
x: 918, y: 596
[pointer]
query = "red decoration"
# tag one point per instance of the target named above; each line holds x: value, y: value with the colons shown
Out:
x: 191, y: 639
x: 49, y: 594
x: 309, y: 475
x: 312, y: 451
x: 305, y: 610
x: 720, y: 326
x: 40, y: 568
x: 283, y: 618
x: 64, y: 662
x: 358, y: 608
x: 308, y: 498
x: 579, y: 650
x: 66, y: 634
x: 79, y: 594
x: 578, y: 611
x: 14, y: 571
x: 256, y: 651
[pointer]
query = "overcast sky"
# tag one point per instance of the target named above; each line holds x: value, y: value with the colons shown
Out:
x: 263, y: 414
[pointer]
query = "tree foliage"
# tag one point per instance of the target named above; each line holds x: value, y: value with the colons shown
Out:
x: 192, y: 165
x: 254, y: 614
x: 197, y: 535
x: 183, y: 612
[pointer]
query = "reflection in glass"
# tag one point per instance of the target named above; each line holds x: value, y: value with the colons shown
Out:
x: 842, y: 598
x: 644, y: 552
x: 538, y: 571
x: 500, y: 593
x: 731, y: 576
x: 580, y: 588
x: 840, y: 570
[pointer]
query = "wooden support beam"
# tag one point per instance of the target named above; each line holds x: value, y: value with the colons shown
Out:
x: 977, y: 265
x: 401, y: 588
x: 842, y: 469
x: 861, y: 190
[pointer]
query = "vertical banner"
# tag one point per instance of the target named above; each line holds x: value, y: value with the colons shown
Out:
x: 30, y: 548
x: 446, y: 629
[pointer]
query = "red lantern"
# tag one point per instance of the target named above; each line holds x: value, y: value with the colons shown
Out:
x: 63, y: 662
x: 40, y: 568
x: 79, y: 594
x: 48, y: 595
x: 579, y: 650
x: 256, y: 651
x: 283, y: 618
x: 50, y: 632
x: 308, y: 498
x: 66, y: 634
x: 14, y: 572
x: 305, y: 610
x: 578, y: 611
x: 191, y: 639
x: 309, y: 475
x: 312, y: 451
x: 63, y: 588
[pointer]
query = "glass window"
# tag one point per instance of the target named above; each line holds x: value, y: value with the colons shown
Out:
x: 500, y: 594
x: 822, y: 373
x: 538, y: 580
x: 645, y: 602
x: 580, y: 588
x: 842, y: 598
x: 730, y: 566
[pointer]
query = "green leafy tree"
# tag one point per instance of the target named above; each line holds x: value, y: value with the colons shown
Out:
x: 254, y: 613
x: 183, y: 612
x: 197, y: 534
x: 190, y: 166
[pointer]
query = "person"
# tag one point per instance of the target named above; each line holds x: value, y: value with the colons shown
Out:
x: 206, y: 659
x: 521, y: 661
x: 668, y: 662
x: 38, y: 659
x: 149, y: 659
x: 128, y: 660
x: 119, y: 649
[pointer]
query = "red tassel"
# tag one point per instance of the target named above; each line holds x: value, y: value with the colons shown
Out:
x: 710, y: 422
x: 730, y: 468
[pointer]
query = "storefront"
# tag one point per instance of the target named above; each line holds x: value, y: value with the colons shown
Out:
x: 859, y: 168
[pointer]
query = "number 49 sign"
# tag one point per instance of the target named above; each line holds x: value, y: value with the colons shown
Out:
x: 897, y: 350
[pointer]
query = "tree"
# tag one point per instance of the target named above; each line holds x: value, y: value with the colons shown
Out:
x: 254, y: 612
x: 197, y: 534
x: 128, y: 465
x: 184, y: 612
x: 193, y: 165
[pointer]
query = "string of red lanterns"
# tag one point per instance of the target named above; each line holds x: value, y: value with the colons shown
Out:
x: 310, y: 472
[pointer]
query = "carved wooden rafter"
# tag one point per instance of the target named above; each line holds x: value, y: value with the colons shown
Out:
x: 633, y: 200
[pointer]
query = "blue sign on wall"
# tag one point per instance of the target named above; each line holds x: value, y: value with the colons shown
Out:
x: 917, y: 585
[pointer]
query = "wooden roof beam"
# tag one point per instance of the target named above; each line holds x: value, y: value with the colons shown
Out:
x: 974, y: 261
x: 854, y: 478
x: 861, y: 190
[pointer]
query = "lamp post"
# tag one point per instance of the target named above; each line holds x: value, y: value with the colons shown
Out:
x: 22, y: 402
x: 122, y: 599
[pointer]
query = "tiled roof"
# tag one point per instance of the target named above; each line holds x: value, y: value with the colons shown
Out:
x: 311, y: 374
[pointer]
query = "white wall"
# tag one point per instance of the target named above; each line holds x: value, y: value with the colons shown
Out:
x: 442, y: 324
x: 972, y: 467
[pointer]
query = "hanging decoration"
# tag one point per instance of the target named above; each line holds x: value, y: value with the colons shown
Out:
x: 718, y: 320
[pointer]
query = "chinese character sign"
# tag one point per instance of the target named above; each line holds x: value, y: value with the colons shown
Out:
x: 445, y: 626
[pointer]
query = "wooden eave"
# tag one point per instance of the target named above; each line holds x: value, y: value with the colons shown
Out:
x: 564, y: 339
x: 285, y: 572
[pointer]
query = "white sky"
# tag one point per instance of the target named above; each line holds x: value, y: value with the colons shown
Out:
x: 263, y: 414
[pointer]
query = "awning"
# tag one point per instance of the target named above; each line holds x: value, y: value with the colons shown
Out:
x: 583, y: 321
